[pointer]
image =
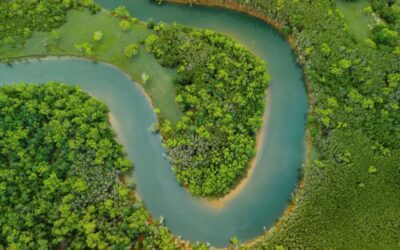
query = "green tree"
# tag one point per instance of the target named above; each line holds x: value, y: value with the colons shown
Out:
x: 125, y: 25
x: 97, y: 36
x: 121, y: 11
x: 145, y: 77
x: 131, y: 50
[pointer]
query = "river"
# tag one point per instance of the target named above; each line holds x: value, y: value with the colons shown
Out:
x: 268, y: 192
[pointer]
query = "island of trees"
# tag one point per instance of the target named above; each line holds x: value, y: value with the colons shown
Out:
x: 221, y: 92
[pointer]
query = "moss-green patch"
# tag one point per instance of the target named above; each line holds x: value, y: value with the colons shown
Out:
x: 80, y: 28
x: 358, y: 20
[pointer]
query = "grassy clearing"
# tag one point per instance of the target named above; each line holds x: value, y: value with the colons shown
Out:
x: 359, y: 23
x: 80, y: 28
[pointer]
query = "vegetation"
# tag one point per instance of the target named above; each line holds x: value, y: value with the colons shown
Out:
x: 59, y: 175
x: 102, y: 40
x: 125, y: 25
x: 112, y: 48
x: 97, y: 36
x: 388, y: 33
x: 95, y: 41
x: 389, y: 11
x: 131, y: 50
x: 19, y: 18
x: 350, y: 197
x: 349, y: 193
x: 358, y: 16
x: 221, y: 91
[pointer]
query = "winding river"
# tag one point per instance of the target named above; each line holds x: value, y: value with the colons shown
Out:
x: 265, y: 197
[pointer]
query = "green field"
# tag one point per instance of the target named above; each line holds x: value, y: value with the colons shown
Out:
x: 358, y: 20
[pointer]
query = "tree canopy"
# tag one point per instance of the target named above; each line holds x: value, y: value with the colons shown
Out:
x: 221, y: 90
x: 59, y: 175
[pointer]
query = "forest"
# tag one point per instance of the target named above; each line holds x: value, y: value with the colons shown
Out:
x: 354, y: 121
x: 60, y: 173
x: 61, y: 167
x: 221, y: 90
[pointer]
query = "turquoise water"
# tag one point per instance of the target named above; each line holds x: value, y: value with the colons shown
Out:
x: 269, y: 190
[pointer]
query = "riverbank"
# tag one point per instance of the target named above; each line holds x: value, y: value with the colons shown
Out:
x: 231, y: 5
x: 67, y: 56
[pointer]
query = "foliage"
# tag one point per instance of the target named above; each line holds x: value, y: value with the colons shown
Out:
x: 387, y: 34
x: 389, y: 11
x: 131, y: 50
x: 18, y: 18
x: 55, y: 34
x: 349, y: 194
x: 97, y: 36
x: 121, y: 11
x: 161, y: 88
x: 59, y: 174
x: 85, y: 48
x: 125, y: 25
x: 145, y: 77
x: 221, y: 91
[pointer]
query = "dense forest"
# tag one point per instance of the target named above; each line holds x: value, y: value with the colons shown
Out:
x: 59, y: 175
x: 221, y: 91
x: 390, y: 12
x: 349, y: 195
x: 354, y: 119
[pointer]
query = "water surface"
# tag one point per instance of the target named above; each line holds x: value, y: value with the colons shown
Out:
x: 269, y: 190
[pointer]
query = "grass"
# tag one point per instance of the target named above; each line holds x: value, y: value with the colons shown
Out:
x: 80, y: 28
x: 358, y: 22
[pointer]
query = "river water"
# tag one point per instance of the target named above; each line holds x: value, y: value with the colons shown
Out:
x: 268, y: 192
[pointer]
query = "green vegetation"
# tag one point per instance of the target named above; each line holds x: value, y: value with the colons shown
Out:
x: 389, y: 11
x: 19, y: 18
x: 125, y: 25
x: 388, y: 33
x: 78, y: 220
x: 221, y: 92
x: 76, y: 39
x: 349, y: 199
x: 240, y: 94
x: 358, y: 16
x: 131, y: 50
x: 59, y: 175
x: 97, y: 36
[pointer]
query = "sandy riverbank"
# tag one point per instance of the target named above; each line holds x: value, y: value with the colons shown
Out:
x: 221, y: 202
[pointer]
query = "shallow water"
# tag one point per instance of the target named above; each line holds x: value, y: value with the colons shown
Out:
x: 276, y: 173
